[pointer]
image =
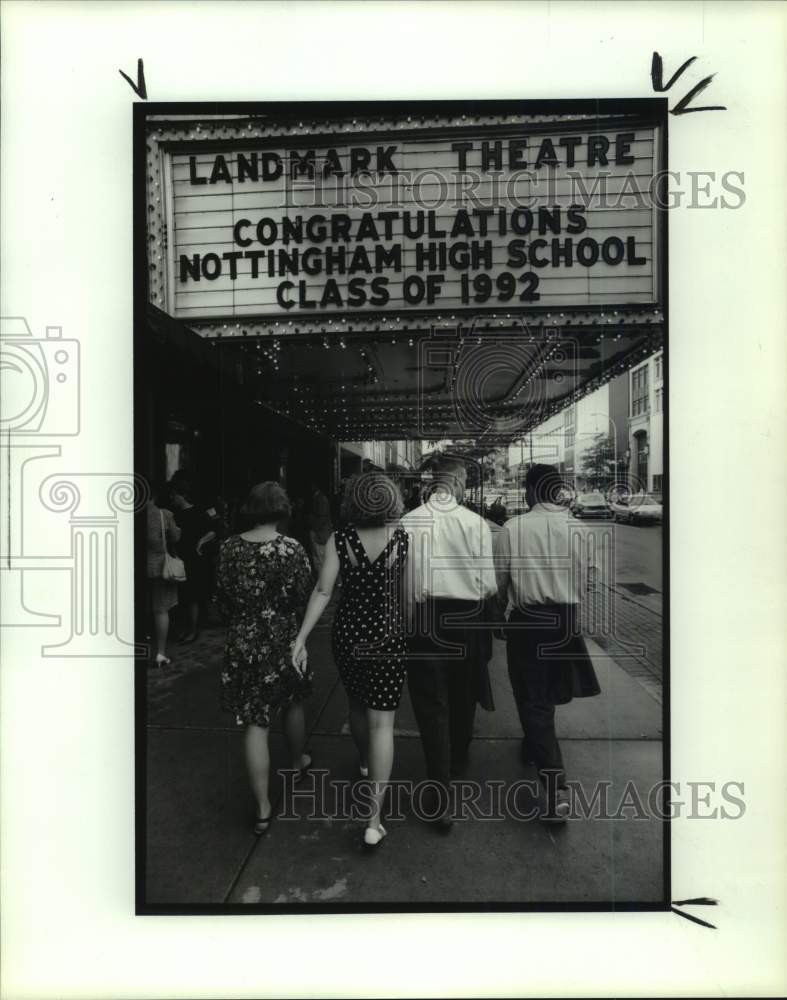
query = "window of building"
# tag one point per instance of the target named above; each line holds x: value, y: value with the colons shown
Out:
x: 659, y: 366
x: 639, y: 391
x: 658, y: 484
x: 658, y: 399
x: 569, y: 424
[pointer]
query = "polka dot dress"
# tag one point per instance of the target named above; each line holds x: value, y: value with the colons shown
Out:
x: 368, y: 630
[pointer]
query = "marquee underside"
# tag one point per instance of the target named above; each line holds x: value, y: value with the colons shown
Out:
x: 490, y: 382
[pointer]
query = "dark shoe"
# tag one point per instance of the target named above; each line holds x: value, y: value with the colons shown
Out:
x: 301, y: 774
x: 435, y: 807
x: 525, y: 754
x: 261, y: 825
x: 444, y: 824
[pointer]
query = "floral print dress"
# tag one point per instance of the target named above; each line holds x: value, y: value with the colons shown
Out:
x: 263, y: 590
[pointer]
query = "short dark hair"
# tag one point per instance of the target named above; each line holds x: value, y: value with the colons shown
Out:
x: 162, y: 495
x: 450, y: 465
x: 544, y: 481
x: 266, y: 503
x: 370, y: 500
x: 181, y: 485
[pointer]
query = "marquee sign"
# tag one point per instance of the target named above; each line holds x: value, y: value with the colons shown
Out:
x: 446, y: 222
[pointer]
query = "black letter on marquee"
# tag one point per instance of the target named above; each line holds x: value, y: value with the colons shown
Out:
x: 462, y: 148
x: 384, y: 161
x: 622, y: 143
x: 546, y: 154
x: 516, y: 149
x: 359, y: 160
x: 193, y: 177
x: 597, y: 148
x: 241, y: 241
x: 220, y: 172
x: 570, y: 142
x: 248, y: 167
x: 302, y: 164
x: 189, y: 268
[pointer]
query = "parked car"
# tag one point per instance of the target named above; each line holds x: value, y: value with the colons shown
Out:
x: 565, y: 496
x: 637, y: 508
x: 590, y: 505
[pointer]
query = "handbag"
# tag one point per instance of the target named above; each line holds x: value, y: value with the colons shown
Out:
x: 173, y: 569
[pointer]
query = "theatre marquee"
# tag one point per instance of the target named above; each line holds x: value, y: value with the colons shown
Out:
x: 512, y: 220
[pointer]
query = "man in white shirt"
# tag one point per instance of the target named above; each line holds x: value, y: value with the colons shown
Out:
x: 449, y: 576
x: 542, y: 573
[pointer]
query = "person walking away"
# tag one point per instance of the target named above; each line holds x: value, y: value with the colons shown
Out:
x: 542, y: 573
x: 320, y: 526
x: 197, y: 531
x: 298, y: 527
x: 162, y: 534
x: 450, y: 580
x: 263, y: 586
x: 370, y: 550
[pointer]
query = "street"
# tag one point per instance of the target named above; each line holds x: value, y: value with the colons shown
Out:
x: 638, y: 555
x: 626, y: 619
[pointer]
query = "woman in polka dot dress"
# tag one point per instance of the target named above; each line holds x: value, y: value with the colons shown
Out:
x: 370, y: 551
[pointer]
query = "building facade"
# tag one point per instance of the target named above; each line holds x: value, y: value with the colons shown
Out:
x: 646, y: 425
x: 614, y: 435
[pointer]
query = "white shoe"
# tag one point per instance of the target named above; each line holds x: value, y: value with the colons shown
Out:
x: 364, y: 771
x: 372, y: 836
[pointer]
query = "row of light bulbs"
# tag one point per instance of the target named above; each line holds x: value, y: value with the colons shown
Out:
x: 366, y: 427
x: 208, y: 130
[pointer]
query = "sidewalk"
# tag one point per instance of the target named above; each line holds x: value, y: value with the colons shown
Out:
x: 630, y: 630
x: 201, y: 849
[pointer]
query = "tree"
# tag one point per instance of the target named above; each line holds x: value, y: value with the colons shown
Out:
x: 598, y: 462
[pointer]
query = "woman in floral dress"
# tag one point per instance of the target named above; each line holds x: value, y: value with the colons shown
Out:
x: 263, y: 585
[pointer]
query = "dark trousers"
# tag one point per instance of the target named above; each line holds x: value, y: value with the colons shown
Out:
x: 538, y: 724
x: 548, y: 665
x: 444, y: 686
x: 443, y: 697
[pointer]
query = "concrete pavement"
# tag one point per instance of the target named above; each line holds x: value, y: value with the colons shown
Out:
x: 201, y: 850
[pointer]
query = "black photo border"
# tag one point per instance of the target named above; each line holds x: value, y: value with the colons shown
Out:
x: 652, y: 108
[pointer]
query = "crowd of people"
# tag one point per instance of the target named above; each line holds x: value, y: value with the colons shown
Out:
x: 423, y: 588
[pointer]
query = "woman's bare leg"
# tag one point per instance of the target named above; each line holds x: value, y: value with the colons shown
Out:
x: 258, y: 761
x: 192, y: 622
x: 381, y: 753
x: 161, y: 628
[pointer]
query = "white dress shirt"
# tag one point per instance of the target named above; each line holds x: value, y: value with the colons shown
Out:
x: 451, y: 553
x: 540, y: 558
